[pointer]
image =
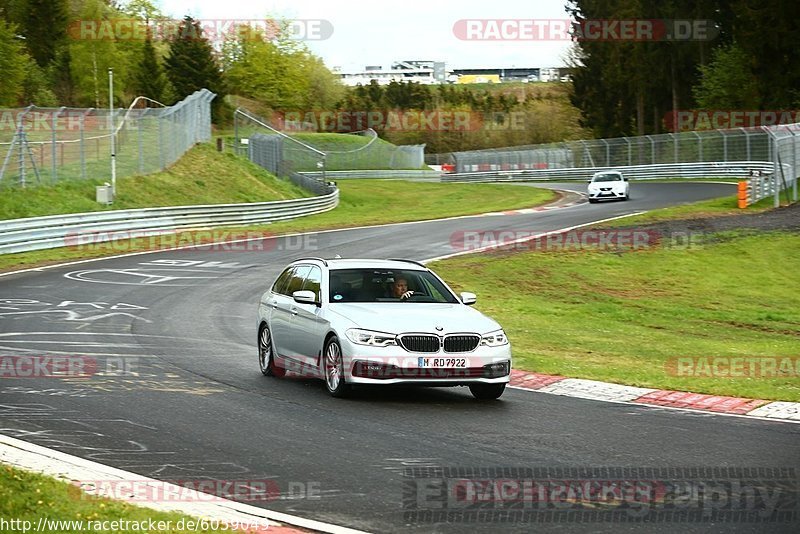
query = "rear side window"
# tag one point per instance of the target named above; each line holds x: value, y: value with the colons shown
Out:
x: 280, y: 284
x: 296, y: 281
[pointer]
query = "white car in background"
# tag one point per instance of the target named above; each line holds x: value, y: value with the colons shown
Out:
x: 607, y: 185
x: 339, y: 320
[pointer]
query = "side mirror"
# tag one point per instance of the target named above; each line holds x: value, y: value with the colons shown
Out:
x: 468, y: 298
x: 305, y: 297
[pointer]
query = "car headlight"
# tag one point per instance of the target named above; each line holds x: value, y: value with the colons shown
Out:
x: 368, y: 337
x: 494, y: 339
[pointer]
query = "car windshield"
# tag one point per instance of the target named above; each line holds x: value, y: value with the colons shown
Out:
x: 607, y: 178
x: 386, y: 285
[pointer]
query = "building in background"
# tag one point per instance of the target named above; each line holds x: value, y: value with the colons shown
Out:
x: 435, y: 72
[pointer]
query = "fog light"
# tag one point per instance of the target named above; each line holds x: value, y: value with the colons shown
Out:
x: 496, y: 370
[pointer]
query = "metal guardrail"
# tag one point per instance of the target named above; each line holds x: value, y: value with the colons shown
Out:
x: 421, y: 174
x: 730, y: 169
x: 37, y: 233
x: 757, y: 188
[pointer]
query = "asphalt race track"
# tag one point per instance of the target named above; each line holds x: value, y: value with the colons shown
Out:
x: 193, y: 404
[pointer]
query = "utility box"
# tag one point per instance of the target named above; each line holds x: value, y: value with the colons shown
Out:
x: 104, y: 195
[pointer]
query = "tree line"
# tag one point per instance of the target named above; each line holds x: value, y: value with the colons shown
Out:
x: 733, y: 55
x: 58, y: 52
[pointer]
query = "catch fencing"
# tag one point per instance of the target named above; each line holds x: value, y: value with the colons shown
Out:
x: 47, y: 145
x: 715, y: 153
x: 284, y: 154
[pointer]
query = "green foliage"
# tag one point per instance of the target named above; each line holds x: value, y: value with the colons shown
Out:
x: 45, y: 28
x: 36, y: 87
x: 629, y: 87
x: 727, y: 82
x: 191, y: 64
x: 13, y: 61
x: 149, y: 78
x: 279, y: 72
x: 501, y: 115
x: 91, y: 59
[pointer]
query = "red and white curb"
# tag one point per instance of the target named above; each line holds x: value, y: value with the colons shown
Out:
x: 557, y: 205
x: 31, y: 457
x: 608, y: 392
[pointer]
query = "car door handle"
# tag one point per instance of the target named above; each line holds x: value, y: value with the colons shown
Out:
x: 294, y: 311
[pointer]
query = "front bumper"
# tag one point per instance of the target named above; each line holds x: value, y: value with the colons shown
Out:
x: 394, y: 365
x: 607, y: 194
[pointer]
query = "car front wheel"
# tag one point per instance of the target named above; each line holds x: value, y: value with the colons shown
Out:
x: 487, y: 391
x: 333, y: 370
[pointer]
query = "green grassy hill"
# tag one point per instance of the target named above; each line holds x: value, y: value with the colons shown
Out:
x: 201, y: 176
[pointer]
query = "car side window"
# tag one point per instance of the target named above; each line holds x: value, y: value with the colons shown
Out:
x: 313, y: 281
x: 296, y: 281
x: 280, y: 284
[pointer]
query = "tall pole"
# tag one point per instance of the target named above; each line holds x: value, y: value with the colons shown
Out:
x: 113, y: 133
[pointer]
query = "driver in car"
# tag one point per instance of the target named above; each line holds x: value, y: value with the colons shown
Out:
x: 400, y: 289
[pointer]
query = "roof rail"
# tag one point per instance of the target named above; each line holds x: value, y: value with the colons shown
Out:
x: 409, y: 261
x: 323, y: 260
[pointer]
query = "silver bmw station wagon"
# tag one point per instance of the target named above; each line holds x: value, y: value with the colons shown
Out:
x: 386, y: 322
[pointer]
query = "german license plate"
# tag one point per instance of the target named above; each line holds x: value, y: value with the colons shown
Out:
x: 443, y: 363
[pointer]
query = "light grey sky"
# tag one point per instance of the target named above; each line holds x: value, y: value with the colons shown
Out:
x: 377, y: 32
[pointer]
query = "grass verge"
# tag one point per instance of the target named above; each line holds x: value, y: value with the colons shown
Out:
x: 717, y: 207
x: 362, y: 202
x: 26, y: 497
x: 625, y: 317
x: 202, y: 176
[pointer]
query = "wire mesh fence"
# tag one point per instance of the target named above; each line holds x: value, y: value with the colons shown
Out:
x: 46, y: 145
x: 686, y: 147
x: 311, y: 152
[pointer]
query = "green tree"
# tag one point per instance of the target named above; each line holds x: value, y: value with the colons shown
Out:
x: 727, y: 82
x: 45, y: 29
x: 191, y: 65
x: 279, y: 71
x: 12, y: 65
x: 148, y: 78
x: 90, y: 59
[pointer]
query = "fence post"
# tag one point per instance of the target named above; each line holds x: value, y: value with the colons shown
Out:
x: 794, y: 165
x: 747, y: 143
x: 139, y: 121
x: 160, y: 120
x: 54, y: 173
x: 775, y: 171
x: 724, y: 146
x: 699, y: 146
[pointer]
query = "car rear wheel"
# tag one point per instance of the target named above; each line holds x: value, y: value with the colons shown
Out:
x: 333, y: 370
x: 487, y: 391
x: 266, y: 355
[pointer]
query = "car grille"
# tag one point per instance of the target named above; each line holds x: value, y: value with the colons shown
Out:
x: 431, y: 344
x: 461, y: 343
x: 420, y: 343
x: 605, y: 189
